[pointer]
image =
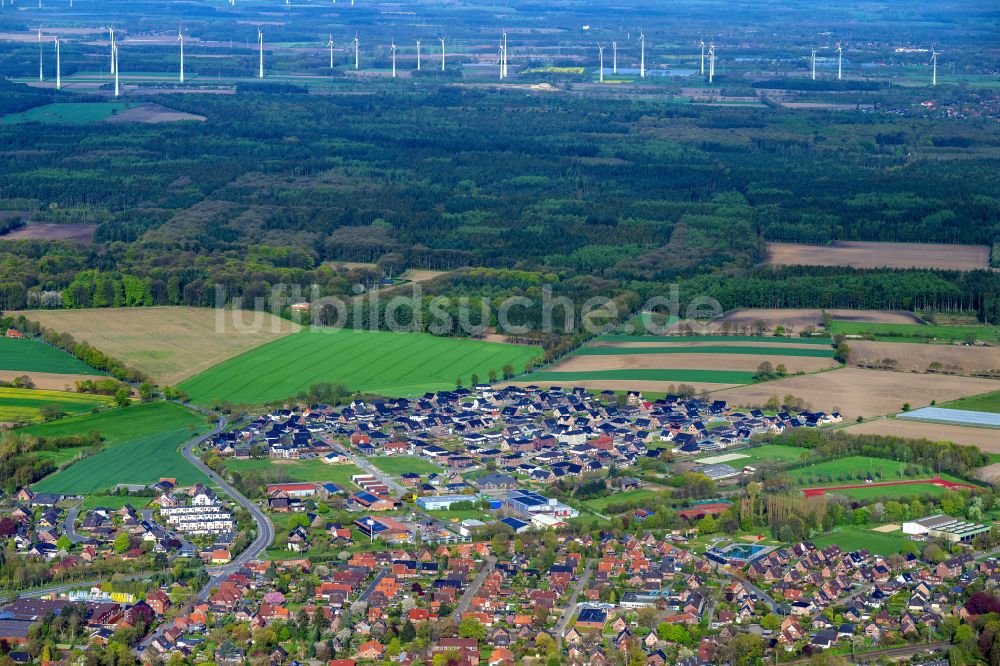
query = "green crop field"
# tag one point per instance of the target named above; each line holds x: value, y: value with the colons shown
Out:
x: 646, y: 374
x: 312, y: 470
x: 820, y: 352
x: 367, y: 361
x: 140, y: 461
x: 64, y: 113
x: 913, y: 332
x: 36, y: 356
x: 397, y: 465
x: 986, y: 402
x: 24, y: 405
x: 121, y: 425
x: 855, y: 537
x: 713, y: 338
x: 140, y: 445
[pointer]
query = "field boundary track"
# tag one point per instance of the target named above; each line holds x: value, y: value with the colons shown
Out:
x: 934, y: 481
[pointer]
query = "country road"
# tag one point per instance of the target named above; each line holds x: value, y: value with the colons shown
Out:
x: 265, y: 530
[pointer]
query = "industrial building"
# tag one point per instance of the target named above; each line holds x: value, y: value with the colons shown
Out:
x: 941, y: 526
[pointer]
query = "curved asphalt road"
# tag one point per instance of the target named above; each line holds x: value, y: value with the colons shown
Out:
x: 265, y: 530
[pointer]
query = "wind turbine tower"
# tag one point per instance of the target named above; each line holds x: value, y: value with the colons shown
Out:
x: 41, y: 72
x: 601, y: 51
x: 840, y: 62
x: 357, y: 46
x: 392, y: 49
x: 260, y: 47
x: 418, y: 55
x: 180, y: 38
x: 642, y: 55
x: 701, y: 42
x: 814, y: 64
x: 503, y: 64
x: 711, y: 62
x: 934, y: 55
x: 114, y: 57
x: 58, y: 66
x: 329, y: 45
x: 614, y: 57
x: 111, y: 31
x: 442, y: 52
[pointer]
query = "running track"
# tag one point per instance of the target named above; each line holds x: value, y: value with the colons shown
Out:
x: 936, y: 481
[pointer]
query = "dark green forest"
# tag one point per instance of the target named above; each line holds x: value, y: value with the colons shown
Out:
x: 593, y: 197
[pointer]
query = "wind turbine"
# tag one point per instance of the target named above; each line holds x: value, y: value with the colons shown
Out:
x: 642, y: 56
x: 260, y: 44
x: 357, y: 45
x: 701, y: 42
x: 500, y: 59
x: 614, y: 57
x: 329, y: 45
x: 58, y: 67
x: 711, y: 62
x: 441, y: 39
x: 418, y: 55
x: 813, y: 64
x: 180, y: 38
x: 840, y: 62
x: 392, y: 50
x: 934, y: 55
x: 41, y: 72
x: 600, y: 50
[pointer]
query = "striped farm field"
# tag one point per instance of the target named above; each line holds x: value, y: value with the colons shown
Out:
x: 815, y: 351
x: 673, y: 339
x: 647, y: 375
x: 24, y: 405
x: 27, y: 356
x: 393, y: 364
x: 653, y: 363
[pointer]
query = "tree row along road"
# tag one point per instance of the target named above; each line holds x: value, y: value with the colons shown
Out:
x: 265, y: 530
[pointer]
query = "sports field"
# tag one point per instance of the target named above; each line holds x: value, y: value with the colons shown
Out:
x: 66, y: 113
x: 855, y: 537
x: 168, y: 343
x: 27, y: 356
x: 850, y: 469
x: 368, y: 361
x: 929, y: 486
x: 24, y: 405
x: 600, y: 504
x: 397, y: 465
x: 313, y: 470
